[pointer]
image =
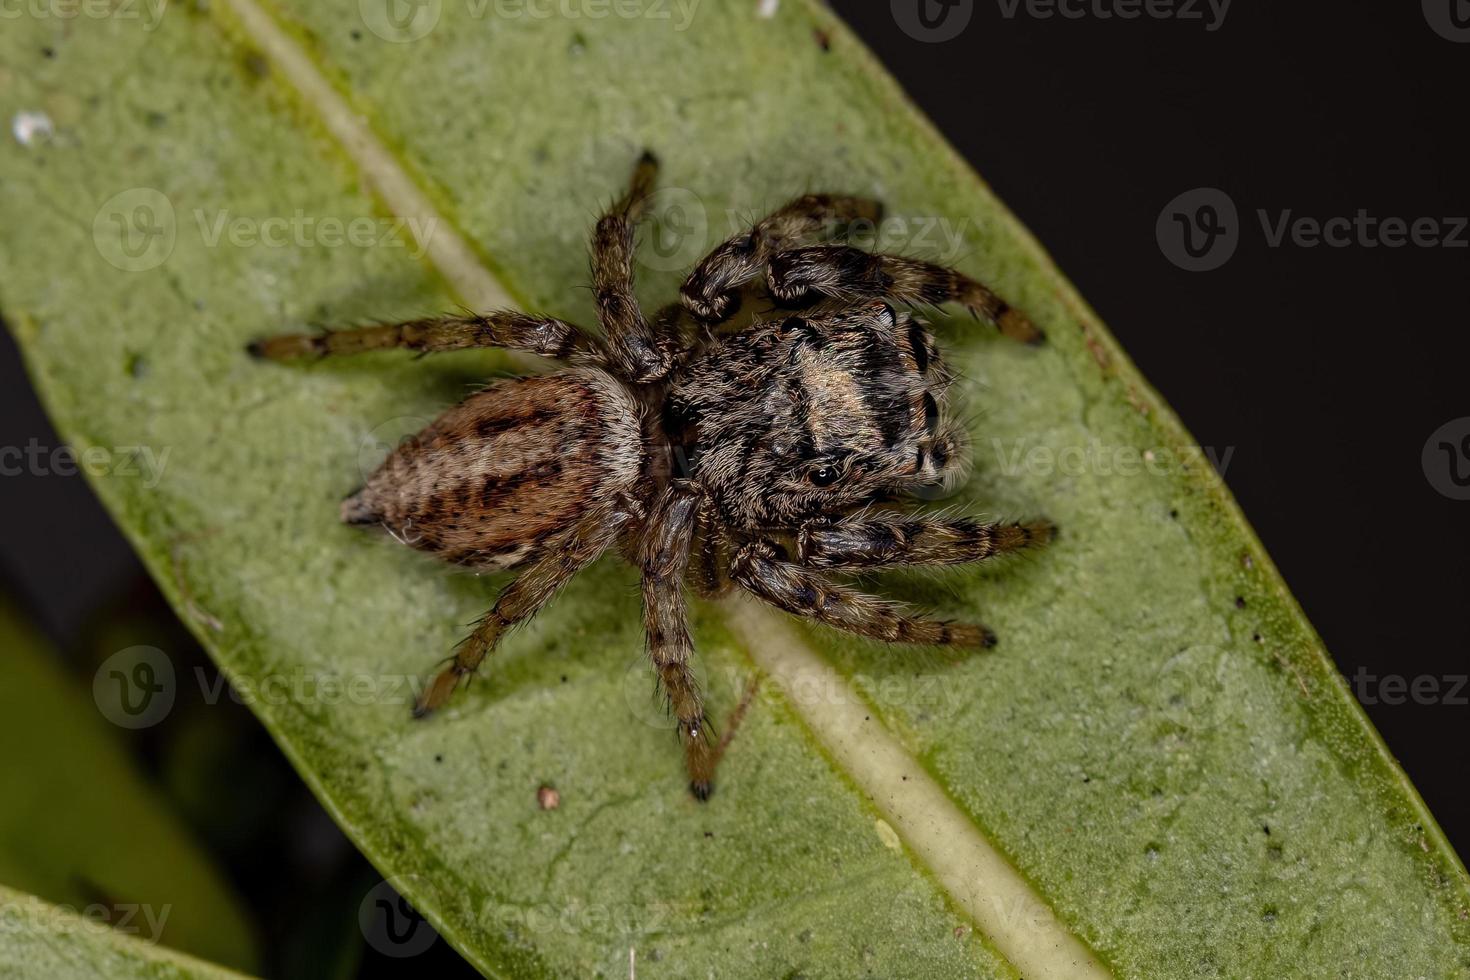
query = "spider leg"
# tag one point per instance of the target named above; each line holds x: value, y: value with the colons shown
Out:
x: 675, y: 330
x: 664, y: 559
x: 515, y: 331
x: 709, y: 576
x: 639, y: 354
x: 712, y: 290
x: 520, y: 600
x: 894, y: 540
x: 801, y: 275
x: 760, y: 569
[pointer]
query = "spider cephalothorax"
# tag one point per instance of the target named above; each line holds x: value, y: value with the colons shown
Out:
x: 752, y: 455
x: 808, y: 413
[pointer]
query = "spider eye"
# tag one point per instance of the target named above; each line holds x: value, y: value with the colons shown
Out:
x: 931, y: 413
x: 823, y: 477
x: 920, y: 347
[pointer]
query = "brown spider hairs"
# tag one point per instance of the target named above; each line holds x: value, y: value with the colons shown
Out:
x: 713, y: 453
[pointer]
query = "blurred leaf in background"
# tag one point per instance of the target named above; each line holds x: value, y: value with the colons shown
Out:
x: 40, y: 939
x: 81, y: 827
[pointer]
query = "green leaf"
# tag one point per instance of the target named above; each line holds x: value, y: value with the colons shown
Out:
x: 80, y: 826
x: 1159, y: 747
x: 44, y: 940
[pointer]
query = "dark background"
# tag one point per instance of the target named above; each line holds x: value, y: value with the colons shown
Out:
x: 1326, y: 369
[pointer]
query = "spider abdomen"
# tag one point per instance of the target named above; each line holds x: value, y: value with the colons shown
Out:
x: 496, y: 480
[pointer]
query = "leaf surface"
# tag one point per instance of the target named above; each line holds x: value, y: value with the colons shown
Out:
x: 1159, y: 746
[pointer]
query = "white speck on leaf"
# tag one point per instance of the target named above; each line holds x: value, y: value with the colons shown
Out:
x: 31, y: 127
x: 767, y: 8
x: 888, y: 835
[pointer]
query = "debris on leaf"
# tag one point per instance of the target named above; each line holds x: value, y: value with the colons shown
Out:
x: 31, y: 127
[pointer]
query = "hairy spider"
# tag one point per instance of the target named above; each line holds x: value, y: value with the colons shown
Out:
x: 722, y: 454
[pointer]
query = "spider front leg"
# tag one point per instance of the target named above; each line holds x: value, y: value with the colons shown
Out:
x: 902, y: 540
x: 760, y: 568
x: 675, y: 330
x: 799, y: 276
x: 665, y: 558
x: 520, y: 600
x: 710, y: 575
x: 639, y: 353
x: 712, y: 291
x: 541, y: 335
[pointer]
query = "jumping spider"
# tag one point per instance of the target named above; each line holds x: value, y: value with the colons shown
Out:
x: 722, y: 454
